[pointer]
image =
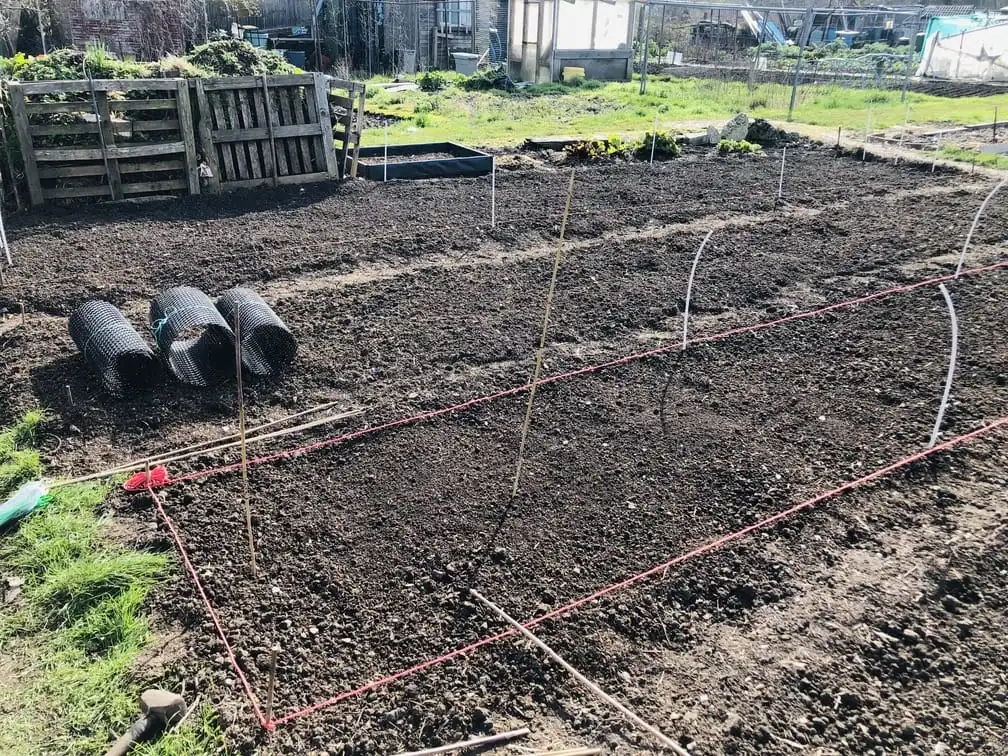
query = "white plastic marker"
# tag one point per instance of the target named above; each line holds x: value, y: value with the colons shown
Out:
x: 3, y: 240
x: 951, y: 368
x: 780, y: 184
x: 934, y: 161
x: 654, y: 137
x: 689, y: 288
x: 906, y: 118
x: 493, y: 194
x: 867, y: 126
x: 385, y: 176
x: 976, y: 219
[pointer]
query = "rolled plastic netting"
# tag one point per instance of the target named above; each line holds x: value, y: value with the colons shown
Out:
x: 194, y: 339
x: 113, y: 349
x: 267, y: 345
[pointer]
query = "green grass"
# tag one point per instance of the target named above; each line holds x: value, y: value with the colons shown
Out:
x: 971, y: 155
x: 69, y: 679
x: 594, y: 109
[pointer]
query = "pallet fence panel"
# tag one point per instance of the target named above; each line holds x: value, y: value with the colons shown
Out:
x: 105, y: 137
x: 123, y: 138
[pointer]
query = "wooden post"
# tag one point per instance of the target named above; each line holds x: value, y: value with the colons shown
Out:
x: 207, y: 146
x: 780, y: 183
x: 20, y: 113
x: 108, y: 140
x: 184, y: 107
x: 270, y: 116
x: 241, y: 435
x: 274, y: 652
x: 360, y: 129
x: 325, y: 123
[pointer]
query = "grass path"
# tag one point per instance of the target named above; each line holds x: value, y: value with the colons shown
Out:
x: 69, y: 678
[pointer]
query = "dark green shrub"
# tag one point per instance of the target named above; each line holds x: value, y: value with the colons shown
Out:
x: 432, y: 81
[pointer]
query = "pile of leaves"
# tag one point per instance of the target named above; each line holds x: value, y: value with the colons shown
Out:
x: 492, y: 78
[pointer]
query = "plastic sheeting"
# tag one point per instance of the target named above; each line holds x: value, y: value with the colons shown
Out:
x: 978, y: 55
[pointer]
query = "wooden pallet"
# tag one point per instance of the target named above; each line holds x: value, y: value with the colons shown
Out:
x: 135, y: 137
x: 348, y: 115
x: 265, y: 130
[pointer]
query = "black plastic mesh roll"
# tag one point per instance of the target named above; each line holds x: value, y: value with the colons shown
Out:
x: 194, y: 339
x: 267, y: 345
x: 113, y: 348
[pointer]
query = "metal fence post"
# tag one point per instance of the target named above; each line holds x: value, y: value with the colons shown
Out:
x: 806, y: 33
x: 647, y: 46
x: 910, y: 53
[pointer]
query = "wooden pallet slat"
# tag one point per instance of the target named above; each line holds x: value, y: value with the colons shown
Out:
x: 325, y: 126
x: 241, y: 154
x: 29, y: 157
x: 227, y: 161
x: 287, y: 119
x: 255, y: 159
x: 184, y: 109
x: 207, y: 148
x: 260, y: 103
x: 279, y: 149
x: 118, y: 153
x: 304, y: 144
x: 100, y: 85
x: 108, y: 144
x: 98, y: 169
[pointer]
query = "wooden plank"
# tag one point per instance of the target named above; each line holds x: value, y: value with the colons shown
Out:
x: 279, y: 153
x: 69, y: 192
x: 342, y: 102
x: 184, y: 111
x: 254, y: 134
x: 226, y: 152
x: 100, y: 85
x: 260, y: 102
x: 301, y: 178
x: 240, y: 153
x: 304, y: 144
x: 28, y: 154
x: 98, y: 169
x: 207, y: 148
x: 166, y: 103
x: 156, y: 186
x: 120, y: 127
x: 128, y: 151
x: 328, y: 157
x: 357, y: 132
x: 76, y: 106
x: 255, y: 161
x: 250, y: 82
x: 288, y: 145
x: 108, y: 135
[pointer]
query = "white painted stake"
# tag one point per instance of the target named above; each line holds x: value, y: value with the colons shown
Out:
x: 385, y: 176
x: 951, y: 368
x: 664, y: 739
x: 976, y: 219
x: 906, y: 118
x: 654, y: 137
x: 867, y: 127
x: 934, y: 161
x: 493, y: 194
x: 689, y: 288
x: 3, y: 239
x: 780, y: 184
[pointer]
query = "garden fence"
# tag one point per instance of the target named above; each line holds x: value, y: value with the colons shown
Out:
x: 123, y: 138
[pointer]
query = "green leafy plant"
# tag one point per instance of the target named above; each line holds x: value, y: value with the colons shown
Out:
x: 492, y: 78
x: 236, y: 57
x: 665, y: 145
x: 422, y: 120
x: 427, y: 106
x: 432, y: 81
x: 739, y: 147
x: 595, y: 150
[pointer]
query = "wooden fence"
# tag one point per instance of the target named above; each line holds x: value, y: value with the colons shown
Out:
x: 120, y: 138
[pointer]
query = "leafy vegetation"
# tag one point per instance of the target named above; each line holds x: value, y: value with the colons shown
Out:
x: 235, y: 57
x: 738, y: 147
x: 76, y: 632
x: 19, y: 462
x: 432, y: 81
x: 665, y: 145
x: 492, y: 78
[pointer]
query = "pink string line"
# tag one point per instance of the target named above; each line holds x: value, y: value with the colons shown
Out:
x: 430, y: 415
x: 628, y: 582
x: 209, y: 607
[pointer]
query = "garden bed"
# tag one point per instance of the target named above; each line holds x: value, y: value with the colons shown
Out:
x: 365, y: 547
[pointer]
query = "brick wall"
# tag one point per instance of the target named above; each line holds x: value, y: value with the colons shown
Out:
x: 146, y: 29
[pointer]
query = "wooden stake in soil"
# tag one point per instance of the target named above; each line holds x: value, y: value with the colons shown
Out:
x: 838, y: 135
x: 241, y: 435
x: 466, y: 745
x: 274, y: 652
x: 953, y: 357
x: 493, y: 194
x: 934, y: 160
x: 69, y: 395
x: 542, y: 341
x: 654, y: 137
x: 780, y: 184
x: 899, y: 147
x: 588, y: 684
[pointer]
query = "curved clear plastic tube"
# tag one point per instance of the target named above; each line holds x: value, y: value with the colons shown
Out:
x: 976, y: 219
x: 953, y: 357
x: 689, y: 288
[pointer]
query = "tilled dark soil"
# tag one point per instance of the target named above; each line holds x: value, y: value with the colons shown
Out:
x: 403, y: 299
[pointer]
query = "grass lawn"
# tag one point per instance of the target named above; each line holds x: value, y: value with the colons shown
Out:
x: 497, y: 118
x: 69, y: 678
